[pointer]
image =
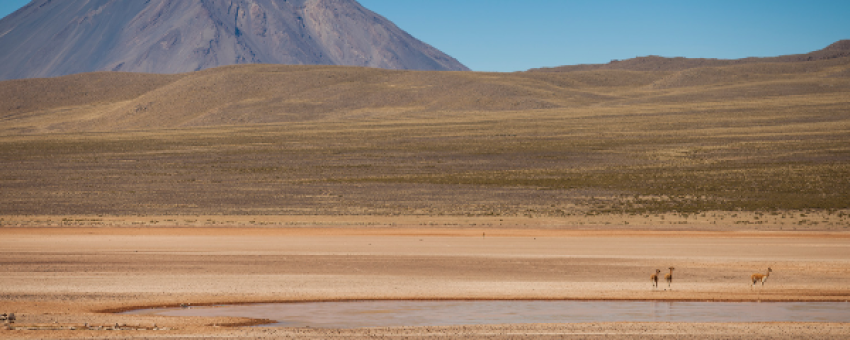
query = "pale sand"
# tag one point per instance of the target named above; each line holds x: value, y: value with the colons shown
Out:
x: 57, y: 278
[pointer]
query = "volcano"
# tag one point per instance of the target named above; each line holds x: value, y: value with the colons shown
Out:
x: 49, y: 38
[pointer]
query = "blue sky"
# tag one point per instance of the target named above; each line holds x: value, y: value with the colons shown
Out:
x: 512, y: 35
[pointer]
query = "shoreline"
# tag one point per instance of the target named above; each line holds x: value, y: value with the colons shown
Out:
x: 123, y: 310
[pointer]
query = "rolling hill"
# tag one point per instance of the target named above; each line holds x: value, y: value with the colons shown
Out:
x: 766, y: 136
x: 261, y: 94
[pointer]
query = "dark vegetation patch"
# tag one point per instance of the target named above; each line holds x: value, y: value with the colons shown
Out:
x: 687, y: 190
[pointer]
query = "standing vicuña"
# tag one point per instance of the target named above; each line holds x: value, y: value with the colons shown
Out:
x: 669, y: 277
x: 760, y: 277
x: 654, y: 278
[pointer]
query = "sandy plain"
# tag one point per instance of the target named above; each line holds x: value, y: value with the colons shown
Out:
x: 56, y: 278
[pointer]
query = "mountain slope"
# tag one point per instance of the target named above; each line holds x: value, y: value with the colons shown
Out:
x: 51, y: 38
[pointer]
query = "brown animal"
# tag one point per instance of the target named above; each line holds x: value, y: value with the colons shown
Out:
x: 669, y: 277
x: 759, y: 277
x: 654, y: 278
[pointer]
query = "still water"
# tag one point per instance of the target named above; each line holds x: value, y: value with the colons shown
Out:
x: 446, y: 313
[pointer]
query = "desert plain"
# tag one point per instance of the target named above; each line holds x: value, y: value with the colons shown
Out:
x: 264, y: 183
x: 56, y: 278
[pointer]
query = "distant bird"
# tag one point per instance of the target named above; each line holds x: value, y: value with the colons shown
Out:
x: 760, y: 277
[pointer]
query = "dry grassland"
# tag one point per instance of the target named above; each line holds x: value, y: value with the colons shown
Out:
x: 768, y: 138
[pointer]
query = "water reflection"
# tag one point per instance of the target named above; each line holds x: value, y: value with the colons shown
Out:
x: 446, y: 313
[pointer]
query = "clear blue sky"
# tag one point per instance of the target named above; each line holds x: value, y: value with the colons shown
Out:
x: 514, y: 35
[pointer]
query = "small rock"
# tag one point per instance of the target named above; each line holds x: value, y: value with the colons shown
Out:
x: 11, y: 316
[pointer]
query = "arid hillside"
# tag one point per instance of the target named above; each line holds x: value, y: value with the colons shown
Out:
x: 263, y: 94
x: 763, y: 136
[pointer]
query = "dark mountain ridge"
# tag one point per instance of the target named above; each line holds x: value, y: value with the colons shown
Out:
x: 836, y: 50
x: 49, y: 38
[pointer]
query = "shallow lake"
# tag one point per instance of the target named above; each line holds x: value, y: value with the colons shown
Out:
x: 357, y: 314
